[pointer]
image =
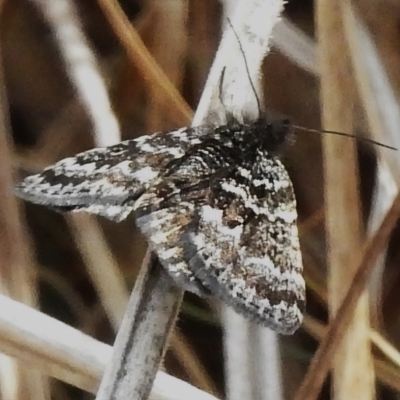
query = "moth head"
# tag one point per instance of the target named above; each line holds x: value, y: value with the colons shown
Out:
x: 274, y: 135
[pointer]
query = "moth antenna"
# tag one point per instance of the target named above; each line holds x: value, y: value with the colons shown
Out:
x: 349, y: 135
x: 221, y: 81
x: 247, y: 68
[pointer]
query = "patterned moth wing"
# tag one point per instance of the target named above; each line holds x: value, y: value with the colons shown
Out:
x: 227, y: 211
x: 244, y: 245
x: 216, y: 206
x: 107, y: 181
x: 165, y: 210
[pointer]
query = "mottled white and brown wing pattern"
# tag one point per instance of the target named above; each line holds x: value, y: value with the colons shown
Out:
x: 245, y: 248
x: 107, y: 181
x: 216, y: 205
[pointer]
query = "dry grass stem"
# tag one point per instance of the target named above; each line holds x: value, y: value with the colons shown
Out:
x: 17, y: 272
x: 101, y: 265
x: 141, y: 340
x: 386, y: 372
x: 322, y: 359
x: 352, y: 366
x: 81, y: 66
x: 383, y: 115
x: 143, y: 60
x: 377, y: 94
x: 385, y: 347
x: 267, y: 362
x: 295, y: 45
x: 67, y: 354
x: 169, y: 49
x: 237, y: 355
x: 251, y: 19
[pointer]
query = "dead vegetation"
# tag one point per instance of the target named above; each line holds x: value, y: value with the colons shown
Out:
x: 74, y: 77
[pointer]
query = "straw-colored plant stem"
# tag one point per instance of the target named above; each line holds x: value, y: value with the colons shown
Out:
x: 68, y: 354
x: 323, y: 358
x: 142, y: 59
x: 17, y: 274
x: 142, y: 338
x: 386, y: 372
x: 168, y: 46
x: 353, y: 375
x: 81, y: 67
x: 382, y: 108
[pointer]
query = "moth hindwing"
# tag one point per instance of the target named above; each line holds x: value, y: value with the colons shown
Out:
x: 215, y: 203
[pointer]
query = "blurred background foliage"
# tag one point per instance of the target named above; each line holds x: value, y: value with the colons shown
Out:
x: 48, y: 121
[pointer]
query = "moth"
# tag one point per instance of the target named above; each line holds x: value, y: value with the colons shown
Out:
x: 215, y: 203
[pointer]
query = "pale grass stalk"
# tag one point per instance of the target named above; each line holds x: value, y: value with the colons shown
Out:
x: 253, y: 23
x: 17, y: 271
x: 384, y: 193
x: 65, y: 353
x: 382, y: 109
x: 238, y: 379
x: 142, y: 338
x: 295, y: 45
x: 386, y: 372
x: 84, y: 73
x: 81, y: 66
x: 321, y: 362
x: 378, y: 98
x: 386, y: 348
x: 353, y: 373
x: 267, y: 376
x: 169, y: 48
x: 101, y: 265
